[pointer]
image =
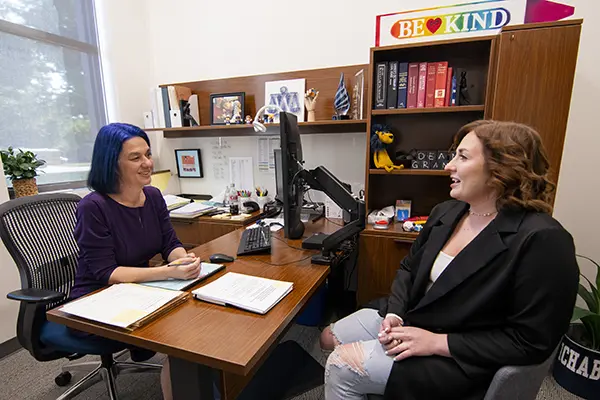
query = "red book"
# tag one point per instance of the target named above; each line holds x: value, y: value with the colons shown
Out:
x: 430, y: 91
x: 448, y: 87
x: 440, y: 83
x: 422, y: 84
x: 413, y: 77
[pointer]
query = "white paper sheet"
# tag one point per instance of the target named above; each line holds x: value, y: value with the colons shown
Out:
x: 241, y: 173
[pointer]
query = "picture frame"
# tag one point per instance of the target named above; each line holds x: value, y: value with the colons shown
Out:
x: 189, y: 163
x: 288, y: 95
x: 227, y: 108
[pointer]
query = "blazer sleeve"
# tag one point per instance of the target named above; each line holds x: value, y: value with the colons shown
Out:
x: 542, y: 300
x: 398, y: 300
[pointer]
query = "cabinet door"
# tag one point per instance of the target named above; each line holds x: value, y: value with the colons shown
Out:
x: 534, y: 81
x: 378, y: 260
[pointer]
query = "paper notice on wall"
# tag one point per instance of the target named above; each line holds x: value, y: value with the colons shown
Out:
x: 241, y: 172
x: 219, y: 152
x: 266, y: 155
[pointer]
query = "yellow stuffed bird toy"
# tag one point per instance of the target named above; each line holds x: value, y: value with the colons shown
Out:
x: 381, y: 139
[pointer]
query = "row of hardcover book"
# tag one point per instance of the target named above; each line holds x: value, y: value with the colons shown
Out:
x: 415, y: 85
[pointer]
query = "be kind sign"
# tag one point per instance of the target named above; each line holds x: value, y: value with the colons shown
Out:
x: 476, y: 18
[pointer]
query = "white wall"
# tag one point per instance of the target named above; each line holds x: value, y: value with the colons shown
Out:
x: 9, y: 280
x: 195, y: 40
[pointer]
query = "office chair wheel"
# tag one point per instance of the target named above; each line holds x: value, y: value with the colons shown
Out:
x: 63, y: 379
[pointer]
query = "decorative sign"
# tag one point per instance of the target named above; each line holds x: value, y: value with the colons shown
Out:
x: 476, y: 18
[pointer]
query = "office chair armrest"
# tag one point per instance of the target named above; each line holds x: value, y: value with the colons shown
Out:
x: 40, y: 296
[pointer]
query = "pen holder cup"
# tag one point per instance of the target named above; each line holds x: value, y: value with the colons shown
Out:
x: 261, y: 201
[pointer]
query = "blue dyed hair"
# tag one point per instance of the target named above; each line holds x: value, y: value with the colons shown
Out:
x: 104, y: 171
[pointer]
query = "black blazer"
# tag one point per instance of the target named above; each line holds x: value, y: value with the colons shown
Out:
x: 505, y: 299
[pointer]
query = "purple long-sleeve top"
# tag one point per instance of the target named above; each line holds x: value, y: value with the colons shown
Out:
x: 110, y: 234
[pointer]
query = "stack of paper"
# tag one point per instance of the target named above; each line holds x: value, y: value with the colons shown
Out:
x: 250, y: 293
x: 174, y: 202
x: 124, y: 305
x: 192, y: 210
x: 206, y: 270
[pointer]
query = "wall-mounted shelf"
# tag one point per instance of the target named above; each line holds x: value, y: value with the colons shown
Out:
x: 317, y: 127
x: 423, y: 172
x: 456, y: 109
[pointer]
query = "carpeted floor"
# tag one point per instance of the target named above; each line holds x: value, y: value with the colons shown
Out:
x: 23, y: 378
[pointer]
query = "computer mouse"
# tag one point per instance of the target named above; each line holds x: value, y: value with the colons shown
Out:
x: 220, y: 258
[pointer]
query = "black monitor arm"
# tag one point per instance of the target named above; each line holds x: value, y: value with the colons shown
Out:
x: 323, y: 180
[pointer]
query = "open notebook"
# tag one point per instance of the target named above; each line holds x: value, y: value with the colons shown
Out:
x: 126, y: 305
x: 247, y: 292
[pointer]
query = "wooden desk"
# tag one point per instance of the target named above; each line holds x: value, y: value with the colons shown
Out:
x: 200, y: 337
x: 196, y: 231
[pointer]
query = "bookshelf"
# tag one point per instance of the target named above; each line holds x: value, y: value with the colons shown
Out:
x: 524, y: 74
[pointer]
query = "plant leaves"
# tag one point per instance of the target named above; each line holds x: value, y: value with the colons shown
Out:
x: 589, y: 298
x: 21, y: 165
x: 579, y: 313
x: 592, y: 324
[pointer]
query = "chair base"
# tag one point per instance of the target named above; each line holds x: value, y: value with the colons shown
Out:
x: 107, y: 370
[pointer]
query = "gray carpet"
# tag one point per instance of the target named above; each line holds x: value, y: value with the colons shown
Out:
x: 23, y: 378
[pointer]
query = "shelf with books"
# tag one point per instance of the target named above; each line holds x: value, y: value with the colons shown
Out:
x: 317, y: 127
x: 429, y: 110
x: 408, y: 171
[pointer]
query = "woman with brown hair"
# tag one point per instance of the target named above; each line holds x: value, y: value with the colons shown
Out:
x: 490, y: 281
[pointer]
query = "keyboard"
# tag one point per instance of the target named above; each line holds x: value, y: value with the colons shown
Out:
x: 255, y: 241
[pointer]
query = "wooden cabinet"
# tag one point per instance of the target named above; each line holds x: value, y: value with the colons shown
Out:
x: 534, y: 81
x: 378, y: 260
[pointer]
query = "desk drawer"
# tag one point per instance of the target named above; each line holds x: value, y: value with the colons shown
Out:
x: 378, y: 260
x: 195, y: 233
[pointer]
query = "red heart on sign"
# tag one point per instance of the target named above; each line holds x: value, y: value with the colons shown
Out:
x: 434, y: 24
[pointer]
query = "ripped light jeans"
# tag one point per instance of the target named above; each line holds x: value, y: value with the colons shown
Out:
x: 359, y: 365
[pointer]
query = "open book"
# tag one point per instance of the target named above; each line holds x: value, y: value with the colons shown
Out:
x: 126, y: 305
x: 250, y: 293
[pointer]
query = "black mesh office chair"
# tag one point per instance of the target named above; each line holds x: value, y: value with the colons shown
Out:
x: 38, y: 233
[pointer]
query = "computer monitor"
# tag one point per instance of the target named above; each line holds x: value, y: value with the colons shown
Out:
x: 292, y: 193
x: 278, y: 176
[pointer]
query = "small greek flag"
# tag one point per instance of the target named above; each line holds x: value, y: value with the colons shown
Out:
x: 341, y: 103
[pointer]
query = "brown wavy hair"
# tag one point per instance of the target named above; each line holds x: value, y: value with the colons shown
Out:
x: 517, y: 161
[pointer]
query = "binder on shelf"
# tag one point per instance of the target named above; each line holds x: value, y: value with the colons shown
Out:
x: 166, y: 109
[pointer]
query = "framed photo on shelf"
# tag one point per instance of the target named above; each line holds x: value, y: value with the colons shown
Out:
x: 227, y: 108
x: 189, y: 163
x: 288, y: 95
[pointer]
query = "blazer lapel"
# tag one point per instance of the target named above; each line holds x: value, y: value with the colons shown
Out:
x: 475, y: 256
x: 439, y: 235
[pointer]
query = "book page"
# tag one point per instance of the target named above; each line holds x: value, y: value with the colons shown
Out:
x: 244, y: 291
x: 121, y: 304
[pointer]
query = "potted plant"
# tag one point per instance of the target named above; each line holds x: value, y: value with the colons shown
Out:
x: 577, y: 364
x: 21, y: 168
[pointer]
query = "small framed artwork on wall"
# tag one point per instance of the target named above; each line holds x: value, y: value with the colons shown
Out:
x: 189, y: 163
x: 227, y: 108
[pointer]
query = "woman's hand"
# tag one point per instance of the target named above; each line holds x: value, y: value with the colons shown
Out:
x: 389, y: 322
x: 184, y: 268
x: 410, y: 342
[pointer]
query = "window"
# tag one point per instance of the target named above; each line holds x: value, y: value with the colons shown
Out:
x: 51, y: 96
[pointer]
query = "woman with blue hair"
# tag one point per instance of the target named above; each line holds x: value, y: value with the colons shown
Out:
x: 124, y: 222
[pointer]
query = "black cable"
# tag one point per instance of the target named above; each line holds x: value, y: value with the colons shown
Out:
x: 287, y: 244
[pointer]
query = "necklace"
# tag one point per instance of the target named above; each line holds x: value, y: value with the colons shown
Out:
x: 487, y: 214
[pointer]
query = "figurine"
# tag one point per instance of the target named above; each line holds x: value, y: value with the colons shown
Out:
x: 341, y: 103
x: 381, y: 139
x: 248, y: 119
x: 310, y: 100
x: 236, y: 113
x: 227, y: 120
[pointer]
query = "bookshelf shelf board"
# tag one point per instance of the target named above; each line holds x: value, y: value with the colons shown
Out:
x: 343, y: 126
x: 429, y: 110
x: 408, y: 171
